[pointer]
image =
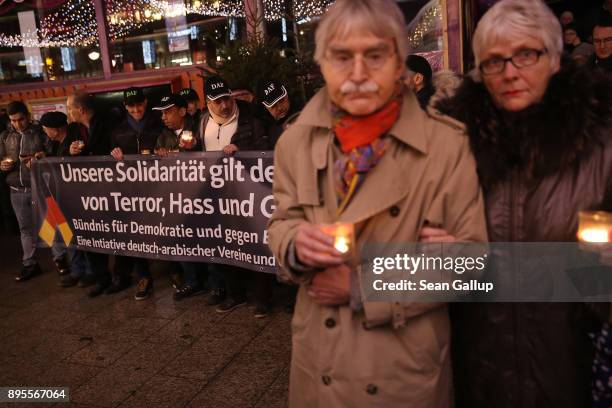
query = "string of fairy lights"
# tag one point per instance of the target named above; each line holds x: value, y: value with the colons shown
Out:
x: 74, y: 23
x: 425, y: 24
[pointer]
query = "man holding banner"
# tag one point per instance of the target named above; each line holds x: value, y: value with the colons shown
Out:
x: 363, y: 153
x: 55, y: 125
x: 81, y: 108
x: 136, y: 134
x: 230, y: 126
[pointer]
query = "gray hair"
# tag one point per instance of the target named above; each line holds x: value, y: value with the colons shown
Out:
x: 518, y: 18
x: 382, y: 18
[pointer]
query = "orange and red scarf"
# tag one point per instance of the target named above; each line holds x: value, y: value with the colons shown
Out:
x: 360, y: 140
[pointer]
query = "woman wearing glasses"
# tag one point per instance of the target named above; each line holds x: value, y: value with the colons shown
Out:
x: 541, y: 133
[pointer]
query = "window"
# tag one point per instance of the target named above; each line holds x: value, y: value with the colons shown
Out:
x: 56, y: 40
x: 153, y: 34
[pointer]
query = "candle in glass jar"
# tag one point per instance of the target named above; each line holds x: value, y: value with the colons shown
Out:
x: 594, y: 226
x: 187, y: 137
x: 344, y: 236
x: 341, y: 243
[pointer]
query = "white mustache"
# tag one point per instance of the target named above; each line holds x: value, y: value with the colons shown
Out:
x: 351, y: 87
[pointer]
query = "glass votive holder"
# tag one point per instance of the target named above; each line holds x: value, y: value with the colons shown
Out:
x: 8, y: 160
x: 344, y: 236
x: 594, y: 226
x: 187, y: 138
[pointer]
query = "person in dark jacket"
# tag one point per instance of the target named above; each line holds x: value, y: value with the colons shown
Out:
x: 276, y: 112
x: 21, y: 143
x: 193, y: 103
x: 180, y: 133
x: 75, y: 266
x: 82, y: 110
x: 230, y: 126
x: 540, y: 131
x: 274, y: 109
x: 136, y: 134
x: 602, y: 40
x: 419, y: 78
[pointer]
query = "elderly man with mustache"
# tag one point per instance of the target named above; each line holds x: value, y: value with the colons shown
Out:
x: 363, y: 152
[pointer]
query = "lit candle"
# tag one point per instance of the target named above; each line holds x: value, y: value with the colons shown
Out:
x: 594, y: 235
x: 343, y: 234
x: 145, y: 151
x: 342, y: 244
x: 8, y: 160
x: 594, y: 226
x: 187, y: 137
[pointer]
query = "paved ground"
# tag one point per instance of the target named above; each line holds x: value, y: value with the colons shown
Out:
x: 115, y: 351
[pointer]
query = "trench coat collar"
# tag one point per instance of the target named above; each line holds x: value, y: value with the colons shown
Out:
x: 408, y: 129
x: 388, y: 179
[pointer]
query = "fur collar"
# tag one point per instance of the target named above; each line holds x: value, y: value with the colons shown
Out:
x: 574, y: 117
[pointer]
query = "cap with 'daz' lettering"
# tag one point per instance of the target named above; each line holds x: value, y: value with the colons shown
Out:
x: 216, y: 87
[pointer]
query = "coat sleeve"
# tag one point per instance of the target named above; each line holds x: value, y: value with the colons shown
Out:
x: 288, y: 215
x: 458, y: 208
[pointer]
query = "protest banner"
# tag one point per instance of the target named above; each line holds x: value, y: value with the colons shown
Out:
x: 199, y: 207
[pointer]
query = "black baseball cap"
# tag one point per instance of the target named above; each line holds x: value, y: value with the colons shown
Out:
x: 189, y: 94
x: 169, y: 101
x: 271, y: 92
x: 215, y: 87
x: 132, y: 96
x: 420, y: 65
x: 54, y: 119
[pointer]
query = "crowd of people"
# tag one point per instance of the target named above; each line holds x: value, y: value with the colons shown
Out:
x: 511, y: 152
x: 174, y: 123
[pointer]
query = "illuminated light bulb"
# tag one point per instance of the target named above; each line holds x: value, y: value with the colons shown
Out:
x: 94, y: 55
x: 147, y: 13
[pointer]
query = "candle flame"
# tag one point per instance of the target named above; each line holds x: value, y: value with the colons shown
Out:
x: 594, y: 235
x: 341, y: 244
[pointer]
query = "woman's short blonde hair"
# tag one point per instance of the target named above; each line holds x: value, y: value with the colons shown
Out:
x: 518, y: 18
x: 382, y: 18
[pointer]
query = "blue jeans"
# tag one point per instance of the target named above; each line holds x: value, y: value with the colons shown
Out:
x: 58, y: 249
x: 21, y: 200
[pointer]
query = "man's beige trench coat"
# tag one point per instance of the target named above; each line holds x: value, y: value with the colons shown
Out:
x: 390, y: 354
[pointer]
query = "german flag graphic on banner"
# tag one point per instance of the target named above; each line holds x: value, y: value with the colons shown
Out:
x: 54, y: 219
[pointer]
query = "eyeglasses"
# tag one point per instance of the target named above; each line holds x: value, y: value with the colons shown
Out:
x: 373, y: 60
x: 521, y: 59
x: 602, y: 41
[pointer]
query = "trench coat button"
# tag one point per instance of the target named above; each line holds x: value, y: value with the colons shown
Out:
x: 326, y: 379
x: 330, y: 323
x: 371, y: 389
x: 394, y: 211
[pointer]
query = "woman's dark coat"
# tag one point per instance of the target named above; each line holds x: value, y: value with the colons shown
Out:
x: 538, y: 168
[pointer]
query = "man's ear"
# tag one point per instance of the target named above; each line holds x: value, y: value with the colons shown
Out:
x: 418, y: 79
